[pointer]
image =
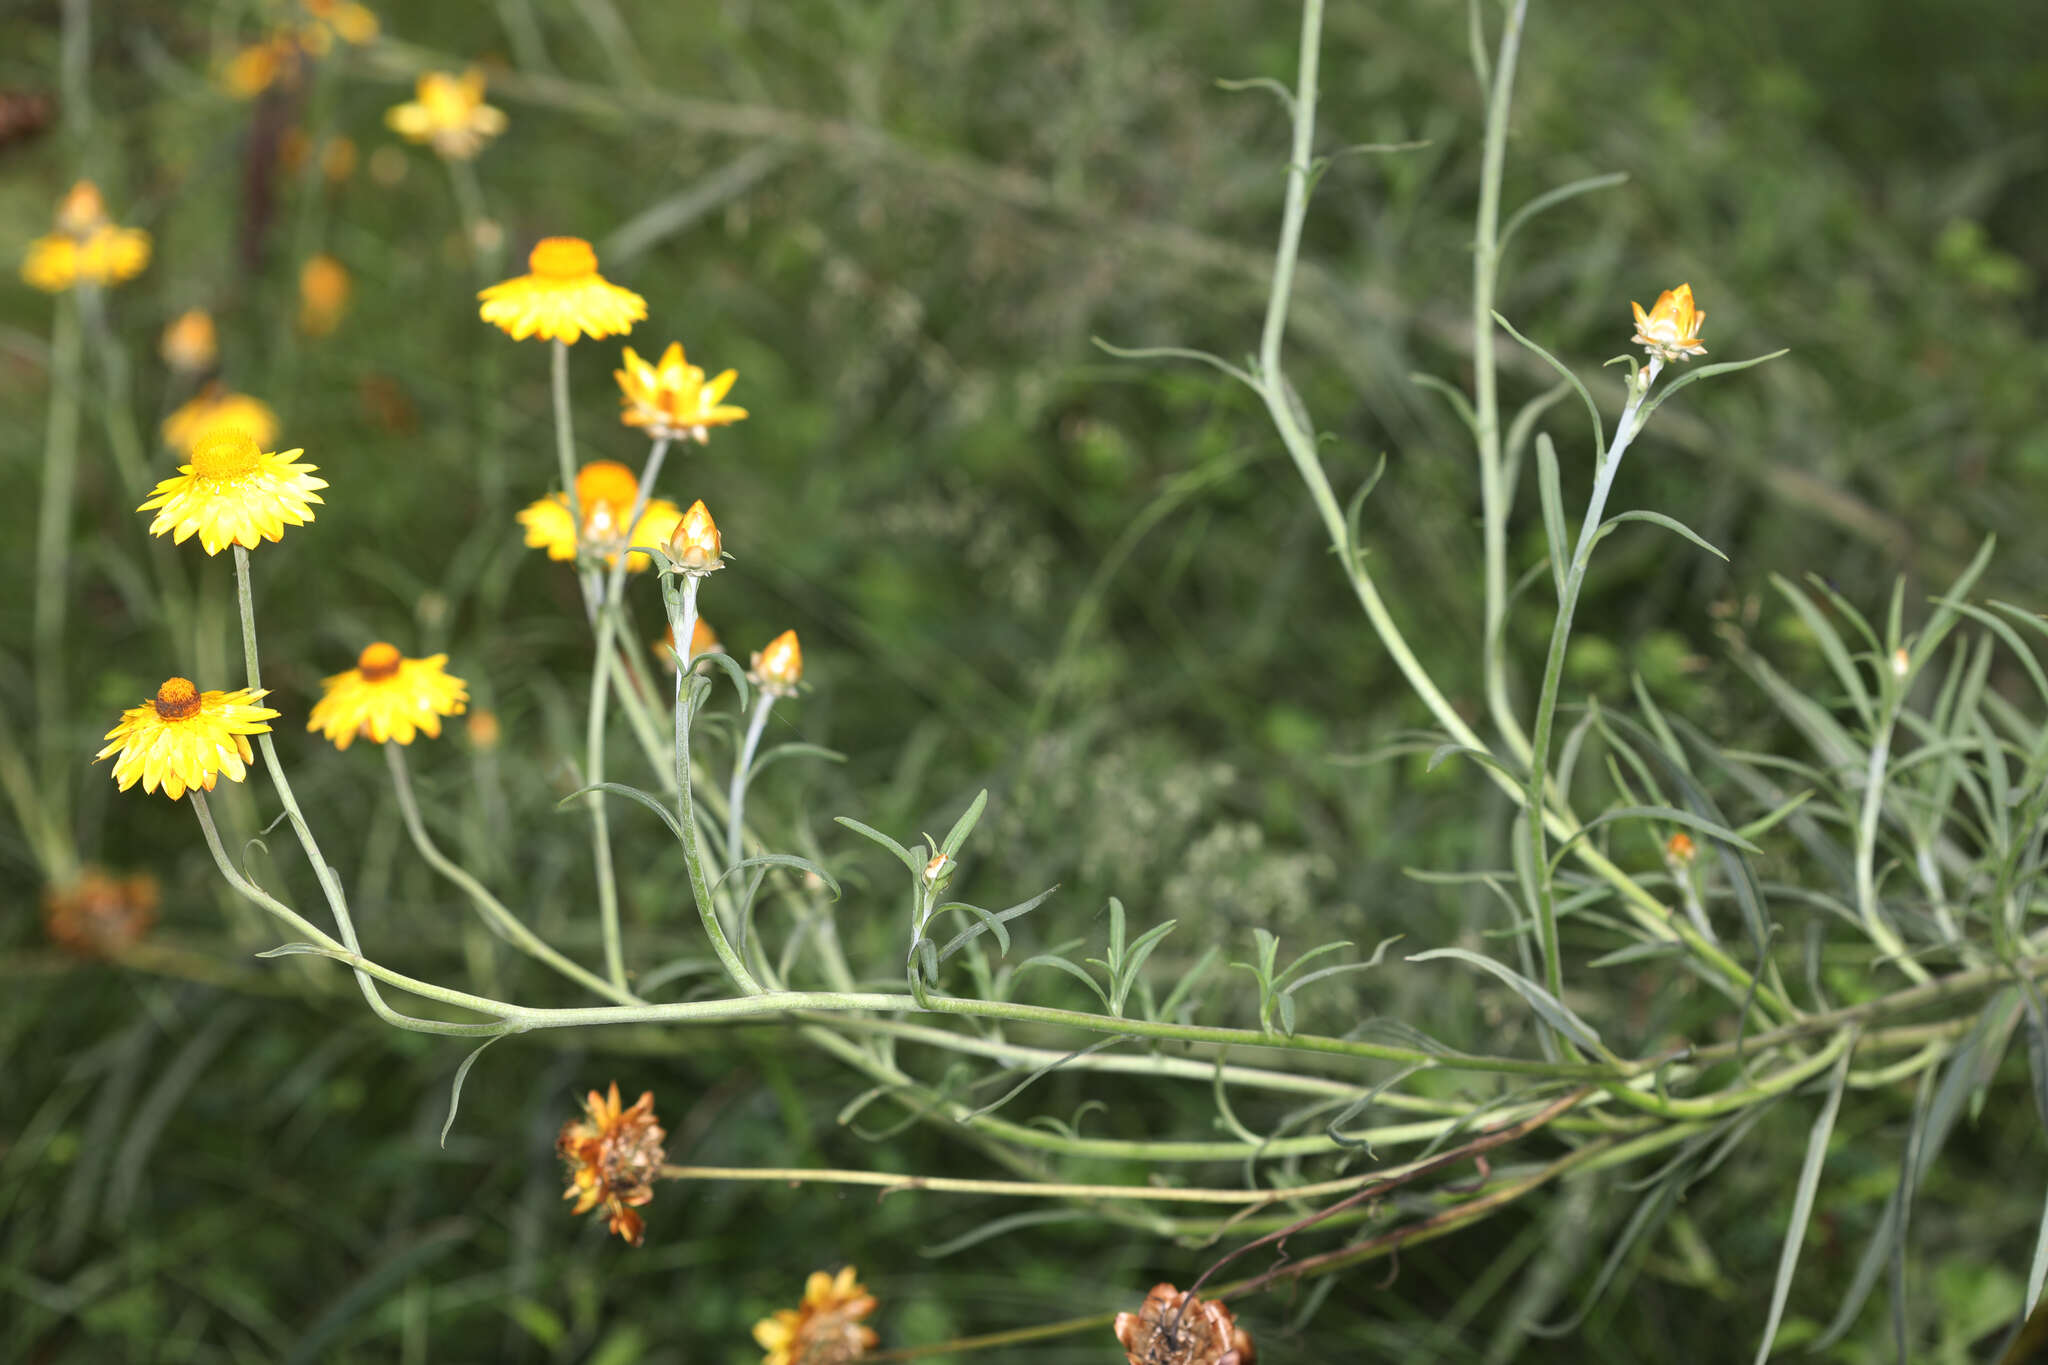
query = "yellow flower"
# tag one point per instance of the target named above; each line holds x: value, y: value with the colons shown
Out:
x: 182, y: 739
x: 86, y: 248
x: 233, y: 493
x: 259, y: 66
x: 1172, y: 1328
x: 563, y: 298
x: 670, y: 400
x: 213, y: 407
x: 825, y: 1329
x: 323, y: 294
x: 1671, y: 330
x: 703, y: 640
x: 777, y: 669
x: 332, y: 19
x: 189, y: 343
x: 694, y: 546
x: 449, y: 113
x: 605, y: 490
x: 387, y: 696
x: 614, y: 1156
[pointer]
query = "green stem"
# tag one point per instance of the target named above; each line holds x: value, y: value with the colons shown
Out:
x: 565, y: 456
x: 1029, y: 1189
x: 493, y: 911
x: 742, y: 776
x: 52, y: 588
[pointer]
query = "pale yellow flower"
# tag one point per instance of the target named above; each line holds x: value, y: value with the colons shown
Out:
x: 563, y: 297
x: 448, y: 113
x: 670, y: 399
x: 233, y: 493
x: 182, y: 739
x: 1670, y: 331
x: 387, y: 698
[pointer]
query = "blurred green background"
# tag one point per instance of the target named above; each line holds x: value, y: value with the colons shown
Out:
x: 1090, y: 585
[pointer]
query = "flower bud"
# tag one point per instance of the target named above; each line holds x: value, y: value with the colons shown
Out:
x: 939, y: 871
x: 695, y: 544
x: 1680, y: 850
x: 189, y: 342
x: 777, y: 669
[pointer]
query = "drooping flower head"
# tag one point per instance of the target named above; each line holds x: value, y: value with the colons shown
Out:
x: 213, y: 407
x: 448, y: 113
x: 387, y: 697
x: 324, y: 286
x: 86, y: 248
x: 189, y: 344
x: 99, y: 914
x: 670, y: 400
x: 694, y: 546
x: 1172, y: 1328
x: 703, y: 640
x: 778, y: 669
x: 825, y: 1329
x: 562, y: 297
x: 1671, y: 330
x: 233, y: 493
x: 182, y: 739
x: 614, y: 1156
x: 605, y: 491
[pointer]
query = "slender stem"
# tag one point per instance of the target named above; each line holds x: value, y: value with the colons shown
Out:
x: 1485, y: 382
x: 493, y: 911
x: 565, y: 455
x: 53, y: 584
x: 680, y: 592
x: 742, y: 776
x: 470, y: 207
x: 1028, y: 1189
x: 1553, y: 674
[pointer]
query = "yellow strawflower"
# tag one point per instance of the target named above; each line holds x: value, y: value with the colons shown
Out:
x: 182, y: 739
x: 670, y: 400
x: 387, y: 697
x: 233, y: 493
x: 189, y: 344
x: 562, y: 298
x: 825, y: 1329
x: 605, y: 490
x: 86, y: 248
x: 778, y: 669
x: 1671, y: 330
x: 448, y: 113
x: 213, y: 407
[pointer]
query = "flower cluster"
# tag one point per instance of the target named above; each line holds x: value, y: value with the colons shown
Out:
x: 614, y: 1155
x: 88, y: 248
x: 280, y: 57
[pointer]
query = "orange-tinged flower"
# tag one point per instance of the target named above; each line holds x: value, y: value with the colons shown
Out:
x: 1680, y: 849
x: 344, y: 19
x: 484, y: 730
x: 213, y: 407
x: 694, y: 546
x: 86, y: 248
x: 1671, y: 330
x: 259, y: 66
x: 183, y: 739
x: 323, y: 294
x: 614, y: 1156
x: 605, y: 490
x: 189, y: 343
x: 778, y: 669
x: 562, y: 298
x: 670, y: 399
x: 387, y: 697
x: 233, y: 493
x: 825, y: 1329
x: 448, y: 113
x: 1172, y: 1328
x: 703, y: 640
x: 100, y: 914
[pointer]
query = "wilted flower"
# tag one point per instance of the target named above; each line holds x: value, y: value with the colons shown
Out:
x: 233, y: 493
x: 448, y: 113
x: 183, y: 739
x: 614, y: 1155
x: 778, y: 669
x: 387, y: 697
x: 86, y: 248
x: 562, y: 298
x: 99, y: 913
x: 189, y: 344
x: 323, y: 294
x: 1172, y: 1328
x: 213, y: 407
x: 825, y: 1329
x: 605, y: 492
x: 1670, y: 331
x: 670, y: 399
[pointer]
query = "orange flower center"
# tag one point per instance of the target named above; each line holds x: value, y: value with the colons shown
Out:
x: 562, y: 258
x: 378, y: 662
x: 225, y: 453
x: 177, y: 699
x: 607, y: 486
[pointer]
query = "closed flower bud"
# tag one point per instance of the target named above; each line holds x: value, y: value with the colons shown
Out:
x: 695, y: 545
x: 777, y: 669
x: 939, y: 871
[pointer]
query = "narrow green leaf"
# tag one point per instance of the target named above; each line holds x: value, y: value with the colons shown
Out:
x: 790, y: 860
x: 1453, y: 395
x: 1553, y: 1010
x: 903, y: 854
x: 1692, y: 376
x: 1550, y: 199
x: 1831, y: 646
x: 964, y: 826
x: 1668, y: 523
x: 647, y: 799
x: 1802, y: 1200
x: 1592, y: 408
x: 1078, y: 973
x: 461, y: 1075
x: 795, y: 749
x: 1551, y: 494
x: 992, y: 922
x: 1135, y: 959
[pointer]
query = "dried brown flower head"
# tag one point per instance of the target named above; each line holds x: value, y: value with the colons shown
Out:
x: 823, y: 1330
x: 614, y: 1155
x: 100, y: 914
x: 1172, y: 1328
